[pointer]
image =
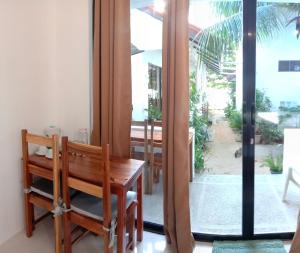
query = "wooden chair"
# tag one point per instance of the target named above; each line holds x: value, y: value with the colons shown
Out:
x: 94, y: 208
x: 139, y: 147
x: 155, y: 153
x: 41, y: 186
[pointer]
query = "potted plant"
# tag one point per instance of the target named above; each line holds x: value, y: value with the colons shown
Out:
x: 274, y: 163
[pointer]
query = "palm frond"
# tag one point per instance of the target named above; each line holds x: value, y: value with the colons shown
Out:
x: 213, y: 41
x: 226, y: 8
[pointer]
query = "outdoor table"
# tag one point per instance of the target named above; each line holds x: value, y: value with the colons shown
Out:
x: 137, y: 134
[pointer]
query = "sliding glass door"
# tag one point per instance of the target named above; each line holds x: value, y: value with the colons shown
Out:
x: 259, y: 68
x: 244, y: 113
x: 146, y: 65
x: 277, y: 117
x: 216, y: 116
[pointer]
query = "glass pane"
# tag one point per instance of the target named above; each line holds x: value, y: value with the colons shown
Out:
x: 215, y: 116
x: 146, y: 60
x: 277, y: 133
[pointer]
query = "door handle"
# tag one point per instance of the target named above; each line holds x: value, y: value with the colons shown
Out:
x: 244, y: 113
x: 253, y: 115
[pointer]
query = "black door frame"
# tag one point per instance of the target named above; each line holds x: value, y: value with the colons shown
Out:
x: 249, y: 60
x: 249, y: 76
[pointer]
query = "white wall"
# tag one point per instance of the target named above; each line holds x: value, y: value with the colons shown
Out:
x: 44, y: 79
x: 26, y: 83
x: 73, y: 65
x: 279, y: 86
x: 140, y: 80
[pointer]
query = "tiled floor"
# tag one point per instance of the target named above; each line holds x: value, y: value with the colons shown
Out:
x: 42, y: 242
x: 216, y: 204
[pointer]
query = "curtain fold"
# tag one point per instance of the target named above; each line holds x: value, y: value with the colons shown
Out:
x: 176, y: 126
x: 112, y: 76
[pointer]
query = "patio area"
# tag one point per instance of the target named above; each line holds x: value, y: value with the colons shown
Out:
x: 216, y: 204
x: 216, y: 192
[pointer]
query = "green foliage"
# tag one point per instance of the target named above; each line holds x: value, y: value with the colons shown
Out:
x: 194, y: 95
x: 270, y: 132
x: 274, y: 163
x: 235, y: 120
x: 231, y: 113
x: 226, y: 34
x: 217, y: 81
x: 231, y: 106
x: 262, y: 101
x: 290, y: 109
x: 199, y: 158
x: 284, y: 117
x: 154, y: 112
x: 228, y: 110
x: 199, y: 123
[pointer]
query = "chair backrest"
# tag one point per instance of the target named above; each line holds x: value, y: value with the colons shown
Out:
x: 155, y: 134
x: 139, y: 136
x: 86, y: 168
x: 291, y: 158
x: 30, y: 169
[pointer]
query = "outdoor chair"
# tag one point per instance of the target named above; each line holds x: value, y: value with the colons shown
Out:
x: 291, y: 158
x: 138, y: 146
x: 155, y: 152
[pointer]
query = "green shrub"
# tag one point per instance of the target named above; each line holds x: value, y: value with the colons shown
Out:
x: 270, y: 133
x: 154, y: 112
x: 199, y: 123
x: 274, y: 163
x: 262, y: 101
x: 289, y: 109
x: 235, y: 120
x: 199, y: 158
x: 228, y: 110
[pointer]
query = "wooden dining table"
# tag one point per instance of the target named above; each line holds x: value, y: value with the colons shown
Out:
x: 137, y: 134
x: 125, y: 174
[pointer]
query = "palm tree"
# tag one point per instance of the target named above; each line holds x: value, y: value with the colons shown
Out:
x: 214, y: 41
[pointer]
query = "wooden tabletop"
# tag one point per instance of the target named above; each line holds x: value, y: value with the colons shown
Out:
x: 122, y: 171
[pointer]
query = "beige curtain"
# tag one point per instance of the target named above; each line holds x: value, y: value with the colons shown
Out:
x: 295, y: 247
x: 176, y: 126
x: 112, y: 76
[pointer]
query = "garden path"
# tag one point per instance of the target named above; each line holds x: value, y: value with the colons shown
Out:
x: 220, y: 159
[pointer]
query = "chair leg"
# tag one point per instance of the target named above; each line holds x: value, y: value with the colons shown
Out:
x: 156, y: 176
x: 150, y: 180
x: 285, y: 189
x: 67, y: 234
x: 132, y: 232
x: 57, y: 229
x: 130, y: 225
x: 288, y: 178
x: 106, y: 242
x: 29, y: 215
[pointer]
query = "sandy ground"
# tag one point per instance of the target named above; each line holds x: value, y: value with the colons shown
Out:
x: 220, y: 159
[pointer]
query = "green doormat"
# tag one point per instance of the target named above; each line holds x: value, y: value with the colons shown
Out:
x: 248, y: 247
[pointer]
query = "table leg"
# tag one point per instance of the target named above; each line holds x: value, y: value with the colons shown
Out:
x: 121, y: 227
x: 140, y: 226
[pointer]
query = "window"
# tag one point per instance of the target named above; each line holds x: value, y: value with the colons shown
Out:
x: 154, y: 86
x: 289, y: 66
